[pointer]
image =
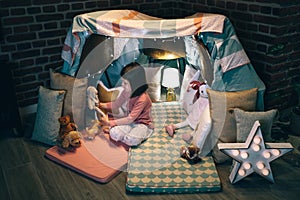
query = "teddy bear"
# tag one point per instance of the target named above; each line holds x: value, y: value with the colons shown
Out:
x: 71, y: 140
x: 66, y: 126
x: 190, y: 153
x: 93, y: 130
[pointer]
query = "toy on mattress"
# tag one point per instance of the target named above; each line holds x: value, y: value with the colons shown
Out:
x: 95, y: 157
x: 156, y: 166
x: 98, y: 159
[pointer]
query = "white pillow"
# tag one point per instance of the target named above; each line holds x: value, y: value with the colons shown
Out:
x: 188, y: 96
x: 188, y: 75
x: 153, y: 78
x: 201, y: 132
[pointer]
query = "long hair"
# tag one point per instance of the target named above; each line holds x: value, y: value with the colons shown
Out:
x: 135, y: 74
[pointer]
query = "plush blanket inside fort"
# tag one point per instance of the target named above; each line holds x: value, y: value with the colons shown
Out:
x: 156, y: 166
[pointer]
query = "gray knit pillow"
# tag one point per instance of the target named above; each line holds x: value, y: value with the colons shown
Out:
x: 245, y: 121
x: 49, y: 109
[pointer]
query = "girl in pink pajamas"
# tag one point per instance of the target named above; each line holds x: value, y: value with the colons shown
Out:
x: 137, y: 125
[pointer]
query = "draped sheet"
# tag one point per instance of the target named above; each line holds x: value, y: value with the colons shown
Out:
x: 131, y: 24
x: 228, y: 66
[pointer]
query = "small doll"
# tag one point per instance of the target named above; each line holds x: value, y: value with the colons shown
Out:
x: 200, y: 101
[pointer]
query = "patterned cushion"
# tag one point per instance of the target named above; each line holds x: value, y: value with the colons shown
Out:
x: 49, y: 109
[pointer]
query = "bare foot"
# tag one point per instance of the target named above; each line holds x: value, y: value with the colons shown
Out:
x: 170, y: 129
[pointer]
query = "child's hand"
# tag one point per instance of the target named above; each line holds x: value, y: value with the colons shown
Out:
x: 102, y: 106
x: 104, y: 121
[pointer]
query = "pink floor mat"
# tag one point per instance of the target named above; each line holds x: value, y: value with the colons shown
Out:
x: 99, y: 159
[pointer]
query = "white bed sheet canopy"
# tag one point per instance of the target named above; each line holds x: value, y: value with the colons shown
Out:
x: 223, y: 63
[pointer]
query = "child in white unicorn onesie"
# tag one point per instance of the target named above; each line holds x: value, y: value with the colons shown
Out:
x: 200, y: 102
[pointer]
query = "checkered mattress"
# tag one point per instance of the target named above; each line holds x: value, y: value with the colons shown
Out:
x: 156, y: 166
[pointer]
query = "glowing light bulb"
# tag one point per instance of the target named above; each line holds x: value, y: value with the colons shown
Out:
x: 257, y: 140
x: 244, y: 155
x: 265, y: 172
x: 275, y: 152
x: 267, y: 154
x: 256, y: 147
x: 247, y: 166
x: 242, y: 172
x: 235, y: 152
x: 260, y: 165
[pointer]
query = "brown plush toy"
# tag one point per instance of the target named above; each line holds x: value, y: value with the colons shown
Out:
x: 66, y: 126
x: 72, y: 140
x: 190, y: 153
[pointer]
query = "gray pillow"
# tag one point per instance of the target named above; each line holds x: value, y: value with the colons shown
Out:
x: 245, y: 121
x: 49, y: 109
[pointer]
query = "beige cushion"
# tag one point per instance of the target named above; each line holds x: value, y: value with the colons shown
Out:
x: 221, y: 106
x: 75, y: 100
x: 49, y: 109
x: 245, y: 121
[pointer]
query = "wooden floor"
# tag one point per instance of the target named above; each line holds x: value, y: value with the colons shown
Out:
x: 26, y: 174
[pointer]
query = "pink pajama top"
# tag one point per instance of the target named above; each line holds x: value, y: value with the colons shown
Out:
x: 139, y: 110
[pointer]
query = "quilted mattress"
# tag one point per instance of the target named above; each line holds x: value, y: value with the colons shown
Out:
x: 156, y: 166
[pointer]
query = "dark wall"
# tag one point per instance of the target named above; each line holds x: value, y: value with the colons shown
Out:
x: 270, y: 33
x: 33, y: 32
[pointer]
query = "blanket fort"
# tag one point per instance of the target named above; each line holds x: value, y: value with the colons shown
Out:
x: 133, y: 24
x: 209, y: 42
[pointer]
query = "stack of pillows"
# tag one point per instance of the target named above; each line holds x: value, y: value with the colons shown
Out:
x: 229, y: 117
x: 67, y: 95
